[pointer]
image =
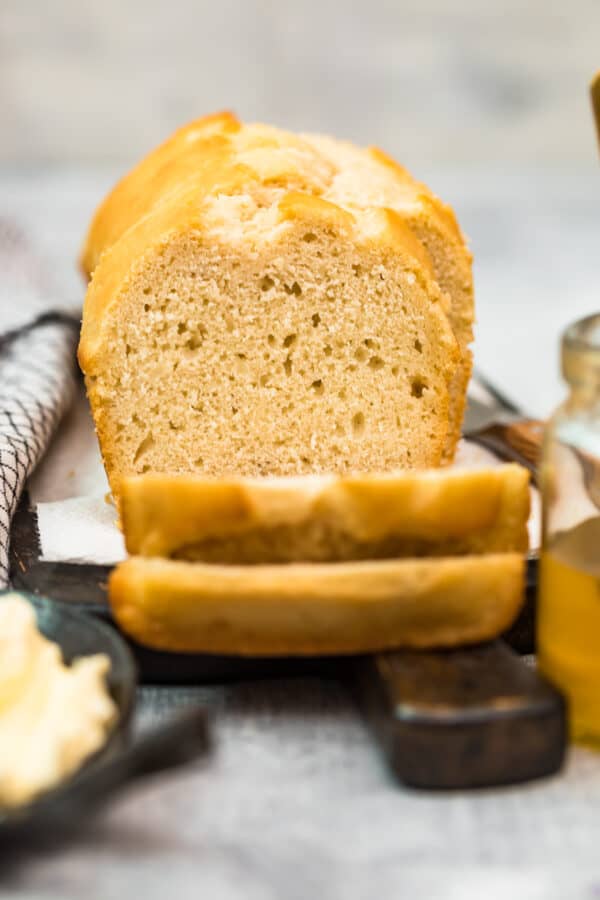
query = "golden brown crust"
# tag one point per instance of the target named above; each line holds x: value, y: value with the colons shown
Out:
x: 138, y: 191
x: 316, y: 608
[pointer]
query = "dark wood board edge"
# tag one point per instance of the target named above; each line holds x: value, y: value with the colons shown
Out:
x: 463, y: 718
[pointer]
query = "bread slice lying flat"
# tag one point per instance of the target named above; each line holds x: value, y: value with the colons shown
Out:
x: 327, y: 518
x: 330, y: 608
x: 263, y: 304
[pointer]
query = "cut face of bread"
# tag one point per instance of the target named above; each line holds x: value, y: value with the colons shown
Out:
x: 324, y: 608
x: 326, y: 518
x: 242, y: 322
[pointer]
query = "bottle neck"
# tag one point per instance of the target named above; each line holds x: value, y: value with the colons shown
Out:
x: 580, y: 361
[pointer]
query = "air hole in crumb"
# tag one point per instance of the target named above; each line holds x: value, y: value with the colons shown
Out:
x: 309, y: 237
x: 339, y: 429
x: 234, y: 410
x: 358, y: 423
x: 266, y: 283
x: 327, y: 350
x: 270, y: 341
x: 181, y: 327
x: 342, y: 394
x: 195, y: 341
x: 316, y: 319
x: 317, y: 386
x: 146, y: 307
x: 146, y: 445
x: 127, y: 349
x: 360, y: 354
x: 136, y: 419
x: 295, y: 289
x: 417, y: 386
x: 418, y: 346
x: 241, y: 356
x: 147, y: 290
x: 371, y: 344
x: 173, y: 426
x: 357, y: 269
x: 145, y: 469
x: 264, y: 380
x: 376, y: 363
x: 288, y: 366
x: 395, y: 370
x: 289, y: 340
x: 199, y: 462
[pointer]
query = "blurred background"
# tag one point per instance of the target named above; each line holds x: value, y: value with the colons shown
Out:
x: 488, y: 101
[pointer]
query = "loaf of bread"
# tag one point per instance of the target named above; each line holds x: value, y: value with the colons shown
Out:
x: 264, y: 303
x: 327, y: 518
x: 318, y: 608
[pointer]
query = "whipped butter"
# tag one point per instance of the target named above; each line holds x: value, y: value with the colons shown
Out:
x: 52, y: 716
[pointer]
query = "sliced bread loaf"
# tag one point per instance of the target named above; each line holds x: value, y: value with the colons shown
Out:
x: 326, y: 608
x: 325, y: 518
x: 246, y: 318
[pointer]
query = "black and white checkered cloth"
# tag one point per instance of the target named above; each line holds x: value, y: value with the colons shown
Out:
x: 37, y: 371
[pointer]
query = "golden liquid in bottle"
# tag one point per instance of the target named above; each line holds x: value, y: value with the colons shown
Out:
x: 568, y: 624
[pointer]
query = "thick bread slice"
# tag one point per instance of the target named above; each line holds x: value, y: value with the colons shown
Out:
x: 240, y: 320
x: 324, y: 518
x: 304, y: 609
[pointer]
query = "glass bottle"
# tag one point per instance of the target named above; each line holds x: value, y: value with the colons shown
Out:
x: 568, y: 616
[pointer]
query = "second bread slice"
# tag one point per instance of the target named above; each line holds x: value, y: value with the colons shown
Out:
x: 303, y: 609
x: 321, y: 518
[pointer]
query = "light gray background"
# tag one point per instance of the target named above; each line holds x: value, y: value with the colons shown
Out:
x: 487, y: 101
x: 433, y: 81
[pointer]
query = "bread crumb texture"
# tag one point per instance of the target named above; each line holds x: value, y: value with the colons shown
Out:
x: 264, y: 303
